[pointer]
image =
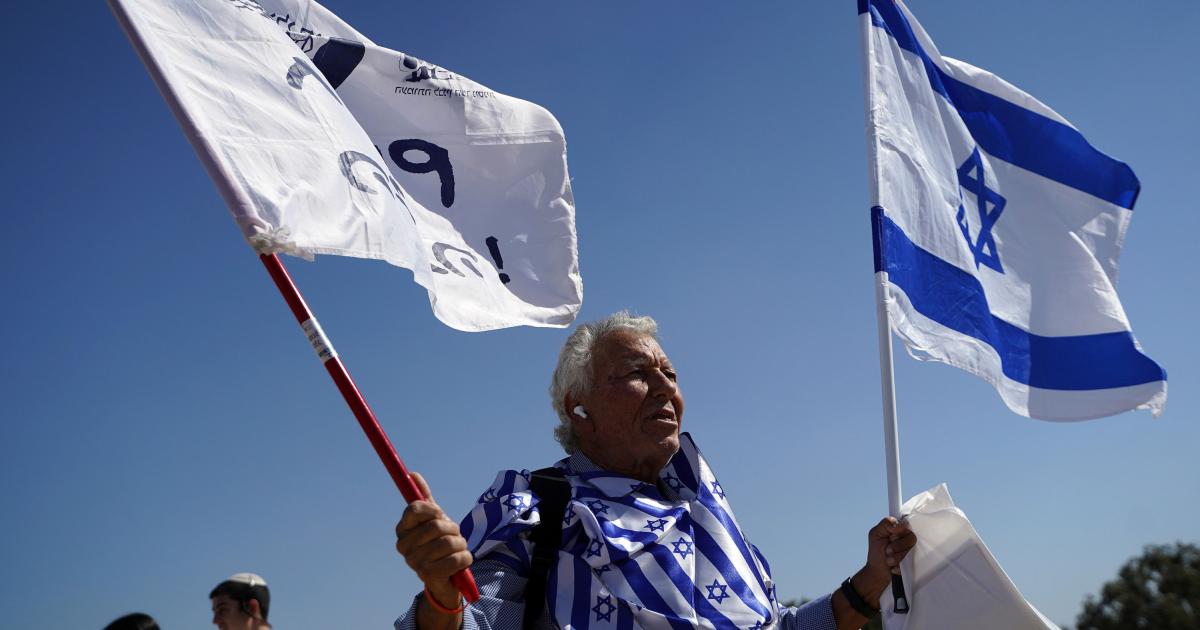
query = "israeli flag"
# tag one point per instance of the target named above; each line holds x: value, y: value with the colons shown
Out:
x: 998, y: 228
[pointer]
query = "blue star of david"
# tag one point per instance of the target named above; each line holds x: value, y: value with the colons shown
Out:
x: 568, y: 517
x: 594, y: 548
x: 682, y: 546
x: 603, y: 604
x: 656, y: 524
x: 716, y: 488
x: 673, y: 482
x: 635, y: 487
x: 757, y: 625
x: 603, y: 569
x: 598, y: 506
x: 489, y: 496
x: 513, y: 502
x: 989, y: 204
x: 714, y: 595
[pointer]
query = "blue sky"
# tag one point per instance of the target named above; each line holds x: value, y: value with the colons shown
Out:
x: 165, y: 424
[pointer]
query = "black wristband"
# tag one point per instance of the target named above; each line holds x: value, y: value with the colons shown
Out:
x: 856, y: 601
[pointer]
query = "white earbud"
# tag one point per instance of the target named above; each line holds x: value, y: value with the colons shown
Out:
x: 579, y: 411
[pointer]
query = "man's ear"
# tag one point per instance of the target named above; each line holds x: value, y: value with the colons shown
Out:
x: 253, y: 608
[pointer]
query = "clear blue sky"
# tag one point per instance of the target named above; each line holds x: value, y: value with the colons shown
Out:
x: 166, y: 425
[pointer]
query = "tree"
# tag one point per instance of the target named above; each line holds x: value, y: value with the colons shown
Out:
x: 1159, y: 589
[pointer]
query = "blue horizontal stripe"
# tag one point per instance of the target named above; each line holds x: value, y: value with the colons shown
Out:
x: 1012, y: 133
x: 611, y: 531
x: 955, y: 299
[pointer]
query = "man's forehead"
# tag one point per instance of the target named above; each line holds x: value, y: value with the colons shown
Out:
x: 630, y: 347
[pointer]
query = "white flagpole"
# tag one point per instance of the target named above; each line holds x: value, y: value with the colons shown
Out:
x: 882, y: 295
x: 891, y: 442
x: 887, y: 381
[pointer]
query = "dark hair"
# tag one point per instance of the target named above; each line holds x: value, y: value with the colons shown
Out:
x: 242, y: 592
x: 134, y: 621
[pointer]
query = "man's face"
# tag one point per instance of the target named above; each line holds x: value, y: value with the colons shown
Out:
x: 635, y: 407
x: 227, y: 615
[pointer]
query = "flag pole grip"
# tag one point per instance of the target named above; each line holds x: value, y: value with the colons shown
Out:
x: 464, y: 581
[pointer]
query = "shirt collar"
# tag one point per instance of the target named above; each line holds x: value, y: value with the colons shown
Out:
x: 579, y: 463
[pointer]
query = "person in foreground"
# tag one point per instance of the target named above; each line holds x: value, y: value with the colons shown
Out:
x: 648, y: 536
x: 241, y: 602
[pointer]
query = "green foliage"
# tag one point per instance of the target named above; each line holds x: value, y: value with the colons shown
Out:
x: 1159, y: 589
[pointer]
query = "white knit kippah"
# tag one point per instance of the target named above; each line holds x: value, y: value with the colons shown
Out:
x: 249, y: 579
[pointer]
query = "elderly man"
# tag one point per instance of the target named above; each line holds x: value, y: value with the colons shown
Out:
x: 643, y: 534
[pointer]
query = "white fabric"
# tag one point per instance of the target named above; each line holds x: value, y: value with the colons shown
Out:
x: 302, y: 177
x: 951, y: 578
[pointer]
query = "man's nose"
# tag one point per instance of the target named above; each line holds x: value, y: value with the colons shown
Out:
x: 662, y: 385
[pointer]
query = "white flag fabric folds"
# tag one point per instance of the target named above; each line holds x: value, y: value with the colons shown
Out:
x: 999, y: 228
x: 952, y: 578
x: 328, y: 144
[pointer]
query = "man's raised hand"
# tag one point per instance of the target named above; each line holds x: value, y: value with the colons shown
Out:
x: 432, y: 545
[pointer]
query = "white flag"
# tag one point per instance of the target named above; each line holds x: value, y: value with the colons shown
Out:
x: 952, y: 578
x: 324, y: 145
x: 999, y: 228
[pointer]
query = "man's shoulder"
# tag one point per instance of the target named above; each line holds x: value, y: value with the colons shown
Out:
x: 512, y: 505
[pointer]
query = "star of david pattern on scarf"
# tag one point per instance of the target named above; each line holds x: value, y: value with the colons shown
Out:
x: 631, y: 556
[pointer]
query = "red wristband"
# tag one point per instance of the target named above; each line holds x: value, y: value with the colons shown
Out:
x: 462, y: 604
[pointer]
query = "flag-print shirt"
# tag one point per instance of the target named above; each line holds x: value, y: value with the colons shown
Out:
x: 667, y: 555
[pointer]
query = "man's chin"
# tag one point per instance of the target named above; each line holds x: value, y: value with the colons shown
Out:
x: 670, y: 442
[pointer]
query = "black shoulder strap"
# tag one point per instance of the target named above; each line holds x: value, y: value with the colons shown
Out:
x: 553, y: 492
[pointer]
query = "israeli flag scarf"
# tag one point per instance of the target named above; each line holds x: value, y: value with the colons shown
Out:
x: 632, y: 555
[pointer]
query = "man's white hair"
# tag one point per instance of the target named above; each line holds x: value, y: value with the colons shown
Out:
x: 573, y: 374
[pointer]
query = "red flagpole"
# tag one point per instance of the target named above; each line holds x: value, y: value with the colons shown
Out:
x: 463, y: 580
